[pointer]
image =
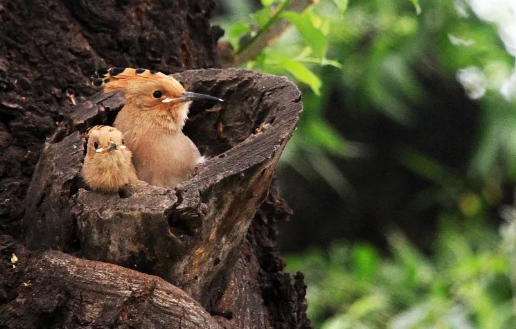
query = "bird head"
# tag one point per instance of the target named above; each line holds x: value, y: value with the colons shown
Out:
x: 147, y: 90
x: 105, y: 141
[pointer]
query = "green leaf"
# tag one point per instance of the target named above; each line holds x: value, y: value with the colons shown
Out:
x: 323, y: 62
x: 417, y: 269
x: 417, y: 6
x: 307, y: 51
x: 424, y: 166
x: 331, y: 63
x: 267, y: 3
x: 367, y: 305
x: 236, y: 31
x: 365, y: 262
x: 325, y: 137
x: 262, y: 16
x: 342, y: 5
x: 325, y: 167
x: 312, y: 36
x: 303, y: 74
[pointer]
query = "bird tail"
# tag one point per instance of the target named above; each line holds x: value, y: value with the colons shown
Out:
x: 105, y: 75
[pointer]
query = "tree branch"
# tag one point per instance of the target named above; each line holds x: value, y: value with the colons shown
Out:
x: 269, y: 34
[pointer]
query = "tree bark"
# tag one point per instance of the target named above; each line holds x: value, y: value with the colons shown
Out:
x: 61, y: 291
x: 212, y: 239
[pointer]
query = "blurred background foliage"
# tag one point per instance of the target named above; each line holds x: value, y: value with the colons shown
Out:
x: 402, y: 171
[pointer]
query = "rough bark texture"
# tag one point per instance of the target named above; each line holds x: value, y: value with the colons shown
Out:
x: 49, y: 49
x: 196, y: 237
x: 56, y: 290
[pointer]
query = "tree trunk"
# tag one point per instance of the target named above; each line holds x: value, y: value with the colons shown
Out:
x: 200, y: 256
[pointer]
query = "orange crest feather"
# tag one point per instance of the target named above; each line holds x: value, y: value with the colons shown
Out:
x: 118, y: 78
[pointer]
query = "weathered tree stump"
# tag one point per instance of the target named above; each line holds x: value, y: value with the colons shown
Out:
x: 61, y: 291
x: 48, y: 51
x: 191, y: 235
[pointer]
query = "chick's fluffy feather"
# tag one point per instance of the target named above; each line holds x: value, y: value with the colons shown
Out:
x: 104, y: 169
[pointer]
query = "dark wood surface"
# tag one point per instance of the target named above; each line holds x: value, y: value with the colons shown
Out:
x: 209, y: 243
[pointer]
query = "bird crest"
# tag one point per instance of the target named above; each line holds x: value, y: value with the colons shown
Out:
x: 93, y: 129
x: 119, y: 78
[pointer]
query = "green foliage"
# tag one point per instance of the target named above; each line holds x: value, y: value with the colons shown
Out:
x: 301, y: 73
x: 299, y: 54
x: 416, y: 5
x: 311, y: 35
x: 310, y: 27
x: 466, y: 284
x: 371, y: 52
x: 236, y: 31
x: 375, y: 48
x: 342, y: 5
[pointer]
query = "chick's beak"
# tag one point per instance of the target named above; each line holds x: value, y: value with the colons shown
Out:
x: 111, y: 147
x: 190, y: 96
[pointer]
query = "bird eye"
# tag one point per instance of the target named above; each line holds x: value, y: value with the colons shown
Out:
x: 157, y: 94
x: 96, y: 145
x: 123, y: 142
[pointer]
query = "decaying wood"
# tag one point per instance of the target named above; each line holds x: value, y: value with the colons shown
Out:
x: 50, y: 48
x: 63, y: 291
x: 190, y: 236
x: 48, y: 51
x: 282, y: 296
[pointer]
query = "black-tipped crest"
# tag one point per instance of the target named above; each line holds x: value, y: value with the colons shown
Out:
x: 97, y: 82
x: 101, y: 72
x: 116, y: 70
x: 100, y: 76
x: 117, y: 78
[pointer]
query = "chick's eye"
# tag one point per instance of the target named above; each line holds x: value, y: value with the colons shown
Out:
x: 123, y: 142
x: 157, y: 94
x: 96, y: 145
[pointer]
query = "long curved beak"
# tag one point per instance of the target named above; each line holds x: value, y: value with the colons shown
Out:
x: 190, y: 96
x: 111, y: 147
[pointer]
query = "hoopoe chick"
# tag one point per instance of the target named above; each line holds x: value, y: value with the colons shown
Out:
x: 152, y: 120
x: 107, y: 166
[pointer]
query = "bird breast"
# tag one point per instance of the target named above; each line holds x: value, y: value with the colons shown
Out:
x: 108, y: 172
x: 163, y: 159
